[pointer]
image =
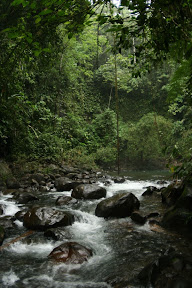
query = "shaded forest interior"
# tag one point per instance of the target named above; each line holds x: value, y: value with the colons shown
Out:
x: 57, y: 82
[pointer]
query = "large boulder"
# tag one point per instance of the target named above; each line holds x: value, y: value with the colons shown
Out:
x: 119, y: 205
x: 24, y: 197
x: 70, y: 253
x: 88, y: 191
x: 64, y: 184
x: 42, y: 218
x: 171, y: 193
x: 179, y: 216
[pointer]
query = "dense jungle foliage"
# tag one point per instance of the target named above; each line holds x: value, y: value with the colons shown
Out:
x: 57, y: 82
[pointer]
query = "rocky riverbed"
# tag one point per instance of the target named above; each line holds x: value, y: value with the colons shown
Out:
x: 73, y: 227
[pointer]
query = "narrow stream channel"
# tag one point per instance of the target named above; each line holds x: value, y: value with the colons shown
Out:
x: 120, y: 247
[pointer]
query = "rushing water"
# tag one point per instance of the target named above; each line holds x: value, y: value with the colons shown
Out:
x: 120, y: 247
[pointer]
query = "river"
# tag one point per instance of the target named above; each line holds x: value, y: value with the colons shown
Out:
x: 120, y: 247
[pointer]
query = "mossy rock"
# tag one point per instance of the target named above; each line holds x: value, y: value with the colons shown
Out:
x: 177, y: 219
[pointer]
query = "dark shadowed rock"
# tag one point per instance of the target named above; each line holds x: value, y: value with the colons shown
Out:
x: 168, y: 271
x: 2, y: 234
x: 70, y: 253
x: 24, y: 198
x: 1, y: 209
x: 7, y: 222
x: 119, y: 180
x: 171, y: 193
x: 12, y: 183
x: 149, y: 191
x: 57, y: 234
x: 42, y: 218
x: 65, y: 200
x: 137, y: 217
x: 64, y: 184
x: 88, y: 191
x: 119, y: 205
x: 20, y: 214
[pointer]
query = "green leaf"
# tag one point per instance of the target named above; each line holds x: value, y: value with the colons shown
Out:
x: 38, y: 19
x: 45, y: 12
x: 17, y: 2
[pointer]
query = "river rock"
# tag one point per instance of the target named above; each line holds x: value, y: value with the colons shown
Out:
x: 149, y: 191
x: 179, y: 216
x: 39, y: 177
x: 1, y: 210
x: 42, y: 218
x: 88, y: 191
x: 7, y: 222
x: 171, y: 270
x: 119, y: 180
x: 2, y: 234
x: 65, y: 200
x: 70, y: 253
x: 137, y: 217
x: 119, y: 205
x: 12, y: 183
x: 24, y: 198
x: 171, y: 193
x: 64, y: 184
x: 57, y: 234
x: 20, y: 214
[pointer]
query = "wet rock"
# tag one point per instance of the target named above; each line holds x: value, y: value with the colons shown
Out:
x: 1, y: 209
x: 2, y: 234
x: 24, y: 198
x: 153, y: 215
x: 70, y: 253
x: 149, y: 191
x: 88, y: 191
x: 42, y: 218
x: 65, y: 200
x: 119, y: 205
x: 20, y: 214
x: 177, y: 219
x: 167, y: 271
x: 7, y: 222
x: 12, y: 183
x: 38, y: 177
x: 119, y: 180
x: 161, y: 182
x: 64, y: 184
x: 179, y: 216
x: 137, y: 217
x: 171, y: 193
x: 57, y: 234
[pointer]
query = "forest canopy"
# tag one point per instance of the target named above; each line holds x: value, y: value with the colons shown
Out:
x: 57, y: 81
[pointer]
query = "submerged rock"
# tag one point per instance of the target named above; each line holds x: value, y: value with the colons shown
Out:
x: 42, y: 218
x: 70, y: 253
x: 88, y: 191
x: 119, y: 205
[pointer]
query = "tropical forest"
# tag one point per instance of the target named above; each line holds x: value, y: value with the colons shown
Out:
x: 96, y: 143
